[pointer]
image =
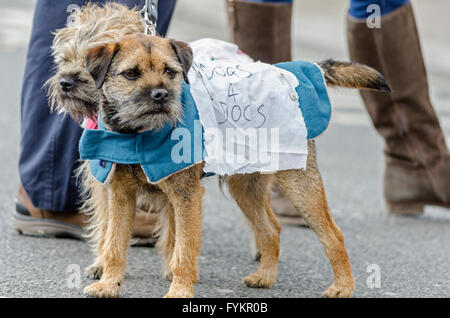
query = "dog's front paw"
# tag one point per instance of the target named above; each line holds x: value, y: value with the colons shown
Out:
x: 94, y: 271
x: 339, y: 291
x: 180, y: 294
x: 180, y: 291
x: 258, y: 280
x: 103, y: 289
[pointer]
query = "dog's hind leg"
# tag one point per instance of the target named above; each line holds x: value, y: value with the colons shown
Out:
x: 306, y: 192
x: 122, y: 210
x: 251, y: 192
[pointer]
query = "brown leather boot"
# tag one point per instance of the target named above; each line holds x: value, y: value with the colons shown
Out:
x: 29, y: 220
x: 261, y: 30
x: 417, y: 160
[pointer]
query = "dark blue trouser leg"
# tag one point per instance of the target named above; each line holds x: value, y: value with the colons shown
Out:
x: 49, y: 141
x: 358, y: 8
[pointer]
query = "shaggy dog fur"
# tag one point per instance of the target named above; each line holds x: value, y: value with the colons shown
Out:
x: 90, y: 26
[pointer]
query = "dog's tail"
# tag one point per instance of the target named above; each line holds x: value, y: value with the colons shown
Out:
x: 353, y: 75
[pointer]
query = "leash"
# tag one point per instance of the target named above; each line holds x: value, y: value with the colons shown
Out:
x: 149, y: 16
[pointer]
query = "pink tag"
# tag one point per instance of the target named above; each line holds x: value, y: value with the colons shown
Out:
x: 90, y: 124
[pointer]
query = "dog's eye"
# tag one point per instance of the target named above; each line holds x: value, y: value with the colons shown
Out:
x: 170, y: 72
x: 131, y: 74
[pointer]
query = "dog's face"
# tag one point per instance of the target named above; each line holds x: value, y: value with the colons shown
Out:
x: 140, y: 80
x: 72, y: 89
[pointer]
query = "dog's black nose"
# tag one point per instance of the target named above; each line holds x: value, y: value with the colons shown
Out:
x: 159, y: 95
x: 66, y: 83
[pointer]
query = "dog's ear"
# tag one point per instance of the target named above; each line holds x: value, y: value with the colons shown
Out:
x: 184, y: 56
x: 98, y: 59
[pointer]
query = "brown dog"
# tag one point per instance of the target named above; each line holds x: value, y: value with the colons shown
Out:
x: 122, y: 68
x: 140, y: 79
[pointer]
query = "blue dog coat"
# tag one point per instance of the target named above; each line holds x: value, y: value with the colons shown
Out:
x: 154, y: 150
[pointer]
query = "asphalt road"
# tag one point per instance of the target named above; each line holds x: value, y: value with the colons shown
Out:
x: 411, y: 253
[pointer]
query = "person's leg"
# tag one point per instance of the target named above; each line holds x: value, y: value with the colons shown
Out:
x: 417, y: 160
x: 359, y: 8
x: 165, y: 12
x: 262, y: 29
x: 49, y: 141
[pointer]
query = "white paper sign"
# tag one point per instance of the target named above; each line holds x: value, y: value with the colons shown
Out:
x: 249, y: 111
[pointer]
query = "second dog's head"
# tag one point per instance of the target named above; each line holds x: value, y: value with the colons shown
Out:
x: 140, y: 80
x: 71, y: 89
